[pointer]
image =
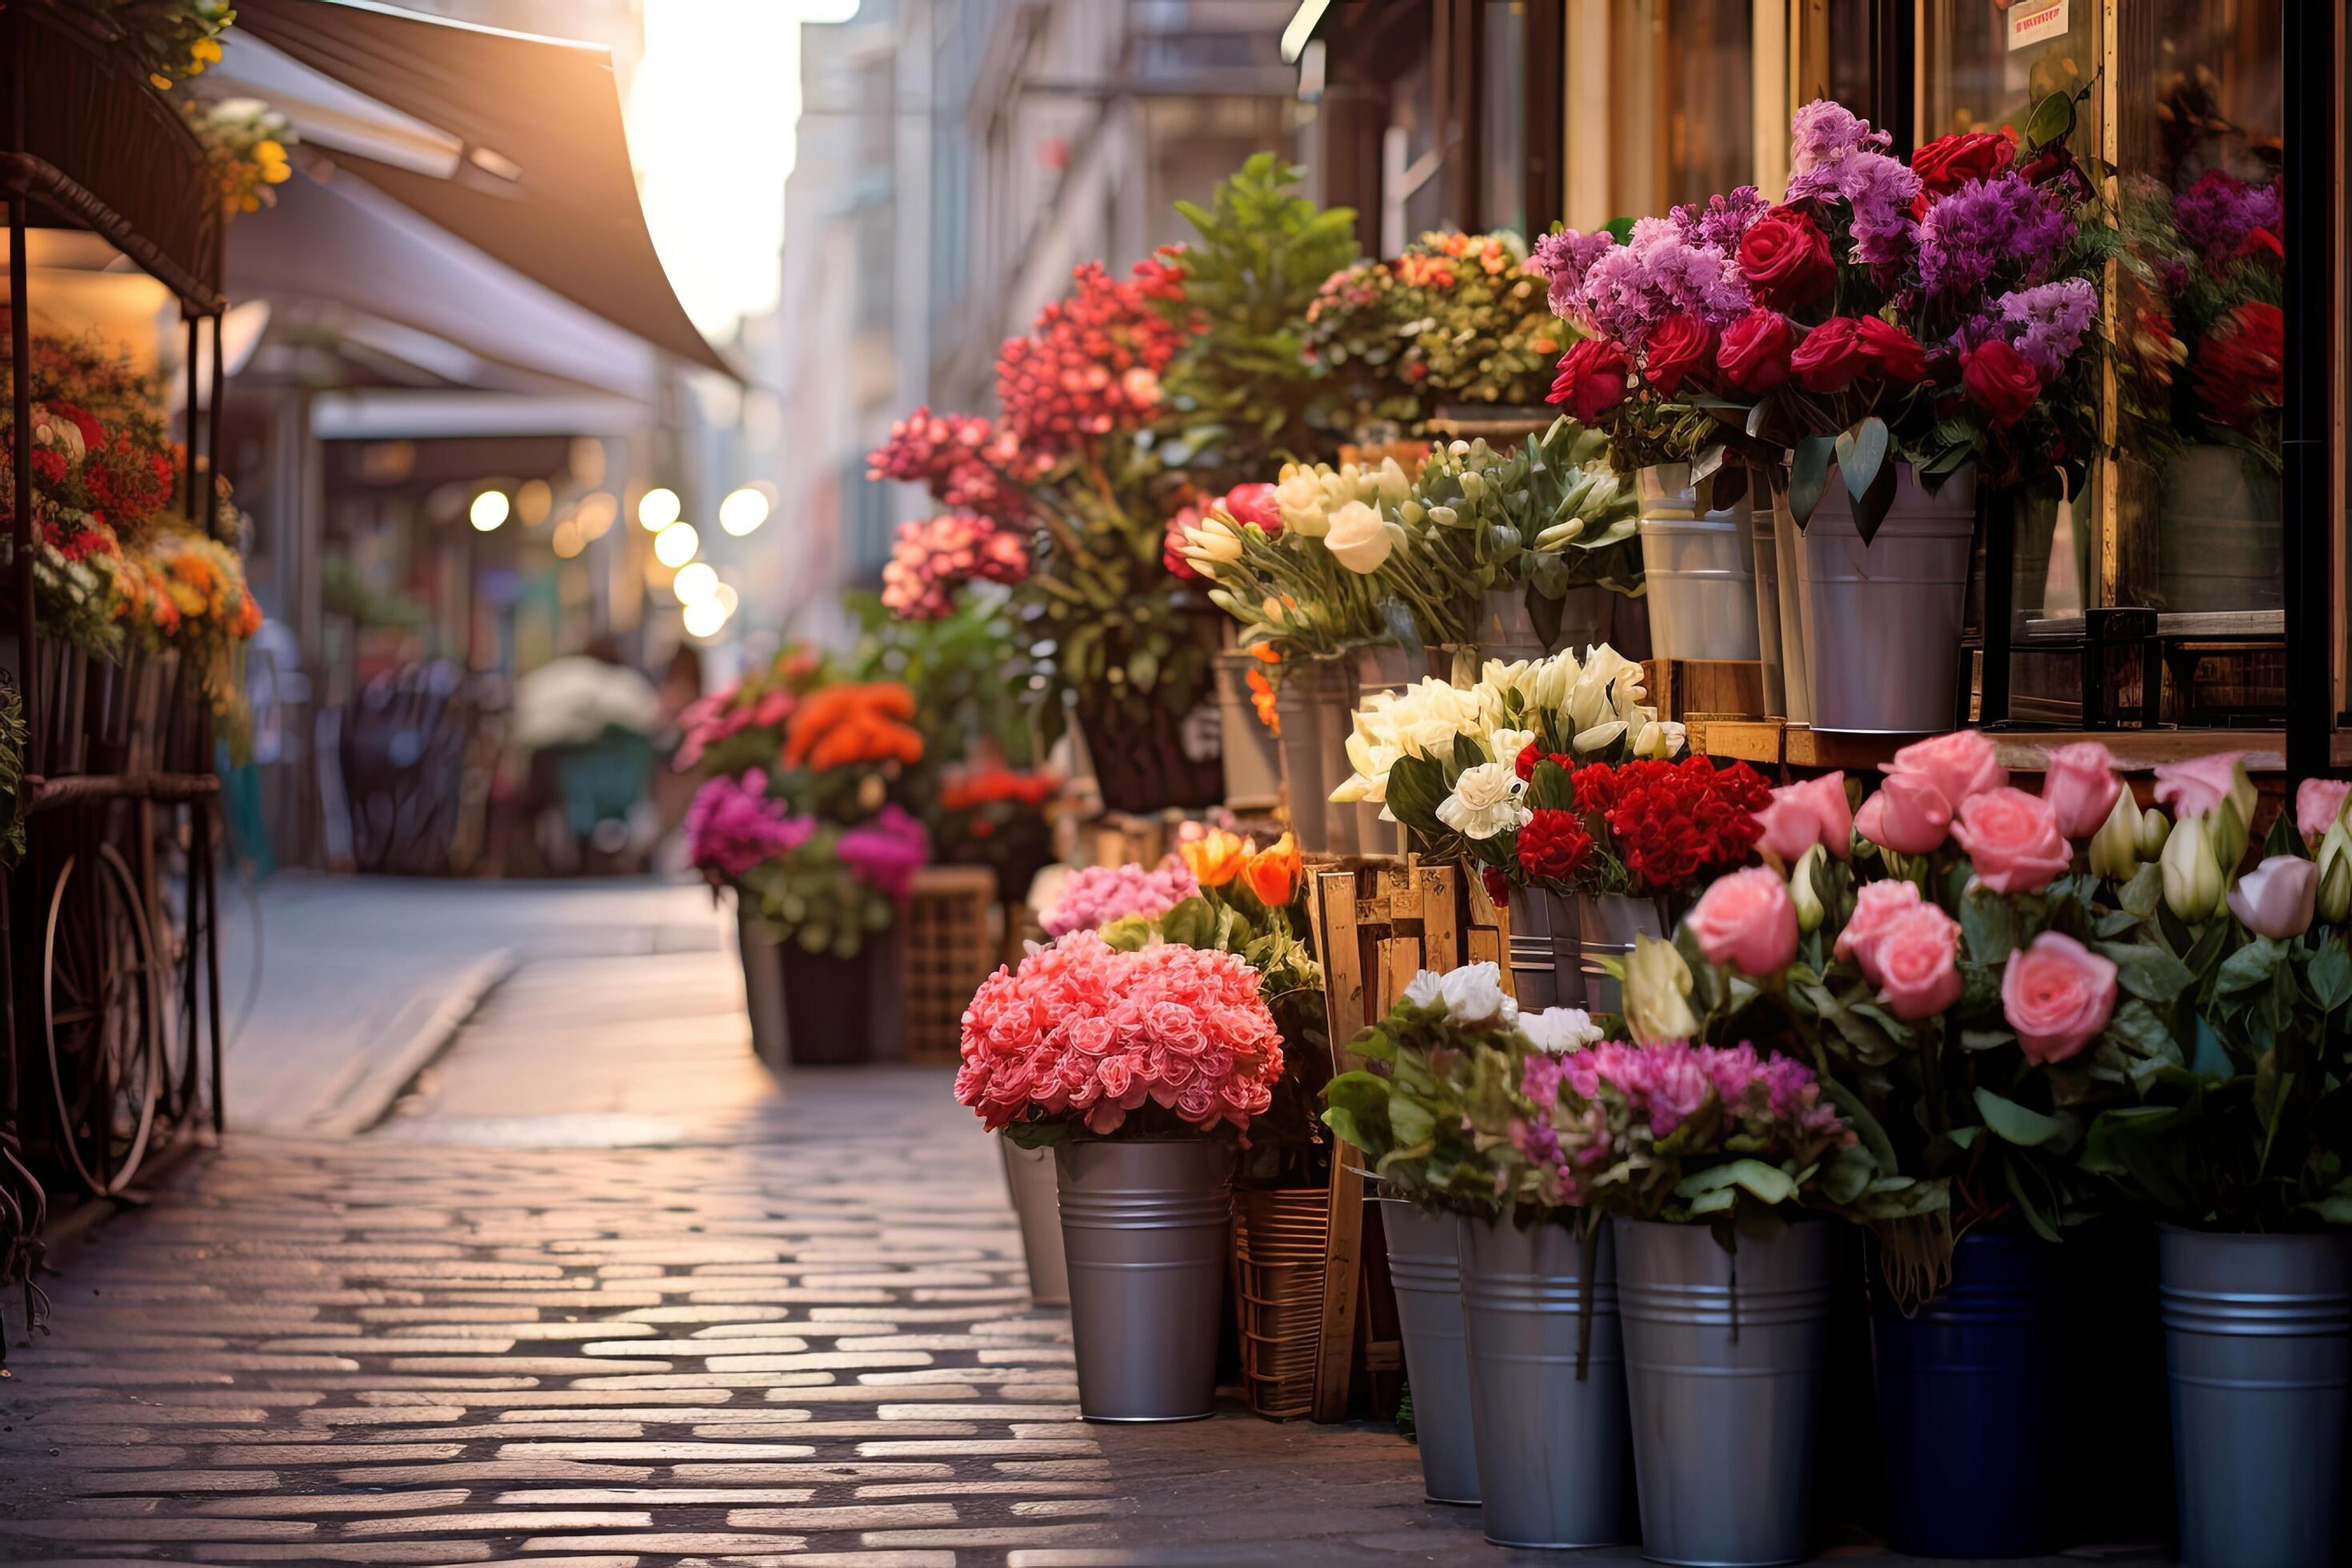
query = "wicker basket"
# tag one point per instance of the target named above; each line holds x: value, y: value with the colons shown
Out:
x: 1279, y: 1239
x: 950, y: 946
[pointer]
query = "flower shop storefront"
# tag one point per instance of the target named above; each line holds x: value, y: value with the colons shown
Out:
x: 1703, y: 857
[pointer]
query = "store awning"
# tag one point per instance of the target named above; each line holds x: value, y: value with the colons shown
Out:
x: 542, y: 180
x: 338, y: 251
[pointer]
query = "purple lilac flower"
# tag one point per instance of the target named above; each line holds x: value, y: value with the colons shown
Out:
x: 732, y: 825
x: 1096, y: 896
x: 1985, y: 223
x: 885, y: 853
x: 1564, y: 258
x: 1826, y: 131
x: 1724, y: 221
x: 2046, y: 323
x: 2217, y: 213
x: 1700, y: 278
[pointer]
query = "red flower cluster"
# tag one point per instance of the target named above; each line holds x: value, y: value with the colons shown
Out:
x: 1091, y: 363
x: 1533, y: 753
x: 933, y: 557
x: 967, y: 463
x: 1671, y: 821
x: 962, y: 792
x: 1553, y: 845
x: 2242, y: 370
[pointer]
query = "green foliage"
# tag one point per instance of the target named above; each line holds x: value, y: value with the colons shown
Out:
x: 1410, y: 1110
x: 13, y: 805
x: 810, y: 897
x: 967, y: 678
x: 1242, y: 393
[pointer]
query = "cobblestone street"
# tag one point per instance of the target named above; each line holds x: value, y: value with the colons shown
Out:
x: 601, y: 1292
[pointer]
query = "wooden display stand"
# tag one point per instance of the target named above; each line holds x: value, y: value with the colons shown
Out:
x: 950, y: 944
x: 1375, y: 925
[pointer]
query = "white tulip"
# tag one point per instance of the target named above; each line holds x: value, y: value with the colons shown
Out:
x: 1555, y: 1031
x: 1357, y: 539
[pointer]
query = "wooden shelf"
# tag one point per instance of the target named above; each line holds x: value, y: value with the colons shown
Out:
x: 1776, y: 741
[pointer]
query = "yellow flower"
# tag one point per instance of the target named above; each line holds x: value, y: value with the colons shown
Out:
x: 162, y: 82
x: 207, y: 50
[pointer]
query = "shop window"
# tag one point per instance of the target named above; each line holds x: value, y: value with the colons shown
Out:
x: 1503, y: 115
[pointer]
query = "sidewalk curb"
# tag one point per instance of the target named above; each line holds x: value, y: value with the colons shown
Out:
x: 362, y: 1102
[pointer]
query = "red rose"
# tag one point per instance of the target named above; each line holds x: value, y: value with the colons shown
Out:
x: 1786, y: 259
x: 1681, y: 344
x: 1754, y: 353
x: 2000, y: 380
x: 1552, y: 845
x: 1830, y: 357
x: 1891, y: 352
x: 1591, y: 378
x: 1253, y: 504
x: 1950, y: 161
x: 2243, y: 366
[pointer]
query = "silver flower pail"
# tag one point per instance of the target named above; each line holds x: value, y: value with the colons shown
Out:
x: 1029, y: 1178
x: 1725, y: 1356
x: 1143, y: 1227
x: 1424, y: 1265
x: 1554, y: 1456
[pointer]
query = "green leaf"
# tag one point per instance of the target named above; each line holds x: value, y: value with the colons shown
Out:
x: 2250, y: 966
x: 1410, y: 1120
x: 2329, y: 973
x: 2147, y: 972
x: 1809, y: 474
x: 2053, y: 120
x: 1989, y: 926
x: 2026, y: 1128
x: 1767, y: 1184
x: 1859, y: 451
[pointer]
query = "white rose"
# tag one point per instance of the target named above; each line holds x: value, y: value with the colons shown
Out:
x: 1425, y: 988
x: 1555, y: 1031
x: 1357, y: 539
x: 1474, y: 995
x: 1487, y: 800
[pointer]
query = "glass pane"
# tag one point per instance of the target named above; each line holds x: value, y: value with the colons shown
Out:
x: 1976, y: 81
x: 1852, y: 71
x: 1502, y: 89
x: 2201, y: 148
x: 1682, y: 77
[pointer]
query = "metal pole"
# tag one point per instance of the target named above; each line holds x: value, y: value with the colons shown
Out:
x: 188, y: 442
x: 207, y: 893
x: 2311, y: 48
x: 20, y: 406
x: 213, y: 416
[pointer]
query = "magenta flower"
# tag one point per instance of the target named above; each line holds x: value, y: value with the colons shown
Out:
x: 885, y: 853
x: 732, y: 825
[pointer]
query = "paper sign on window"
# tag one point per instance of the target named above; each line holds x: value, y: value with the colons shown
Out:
x: 2032, y: 21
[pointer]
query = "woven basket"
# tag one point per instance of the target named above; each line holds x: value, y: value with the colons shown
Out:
x: 950, y: 945
x: 1279, y: 1239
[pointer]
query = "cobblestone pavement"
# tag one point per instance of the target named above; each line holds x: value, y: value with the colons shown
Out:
x: 601, y: 1293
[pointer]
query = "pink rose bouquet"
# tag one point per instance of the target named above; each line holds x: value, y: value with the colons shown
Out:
x: 1162, y: 1040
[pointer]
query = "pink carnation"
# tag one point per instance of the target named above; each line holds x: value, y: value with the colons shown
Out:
x: 1097, y: 895
x: 1086, y: 1033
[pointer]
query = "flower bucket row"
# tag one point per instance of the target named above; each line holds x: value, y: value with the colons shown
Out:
x: 2006, y: 1015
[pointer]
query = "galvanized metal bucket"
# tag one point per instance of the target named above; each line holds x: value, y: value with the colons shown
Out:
x: 1316, y: 704
x: 1771, y: 661
x: 1424, y: 1265
x: 1384, y: 668
x: 1252, y: 768
x: 1506, y: 629
x: 1882, y: 621
x: 1558, y: 943
x: 1700, y: 568
x: 2258, y: 1346
x: 1725, y: 1355
x: 1029, y: 1178
x: 1335, y: 719
x: 1788, y: 589
x: 1981, y: 1358
x: 1143, y: 1228
x: 1554, y: 1453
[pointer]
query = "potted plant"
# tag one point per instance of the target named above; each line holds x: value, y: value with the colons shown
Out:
x: 1130, y: 1064
x: 2237, y: 1150
x: 1913, y: 326
x: 1504, y: 1282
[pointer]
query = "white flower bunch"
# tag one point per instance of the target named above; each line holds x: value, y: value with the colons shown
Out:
x: 1314, y: 588
x: 1472, y: 995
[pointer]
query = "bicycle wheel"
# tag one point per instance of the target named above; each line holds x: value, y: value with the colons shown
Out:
x: 102, y: 1012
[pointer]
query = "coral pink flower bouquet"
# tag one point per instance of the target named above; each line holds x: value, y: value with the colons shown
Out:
x: 1163, y: 1040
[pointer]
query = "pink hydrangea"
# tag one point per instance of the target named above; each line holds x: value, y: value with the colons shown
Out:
x: 731, y: 824
x: 1084, y: 1033
x: 1094, y: 897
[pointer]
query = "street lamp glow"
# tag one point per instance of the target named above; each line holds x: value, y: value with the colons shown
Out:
x: 658, y: 510
x: 674, y: 546
x: 743, y: 510
x: 694, y: 581
x: 597, y: 511
x: 705, y: 616
x: 489, y: 510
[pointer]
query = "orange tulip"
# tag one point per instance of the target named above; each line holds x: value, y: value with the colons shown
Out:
x: 1215, y: 857
x: 1273, y: 873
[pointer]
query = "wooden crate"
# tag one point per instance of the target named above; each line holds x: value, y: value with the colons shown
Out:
x: 1375, y: 924
x: 949, y: 944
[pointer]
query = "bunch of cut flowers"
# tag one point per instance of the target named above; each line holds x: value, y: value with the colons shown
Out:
x: 1934, y: 312
x: 827, y: 887
x: 2208, y: 336
x: 1299, y: 562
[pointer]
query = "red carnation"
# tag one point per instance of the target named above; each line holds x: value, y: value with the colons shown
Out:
x: 1591, y: 378
x: 1786, y: 259
x: 1754, y: 353
x: 1596, y: 787
x: 1553, y: 845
